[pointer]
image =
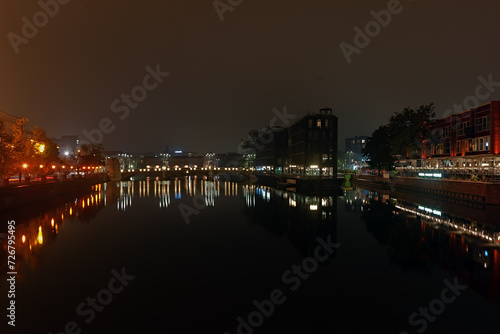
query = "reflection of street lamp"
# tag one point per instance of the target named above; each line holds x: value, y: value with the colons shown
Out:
x: 349, y: 157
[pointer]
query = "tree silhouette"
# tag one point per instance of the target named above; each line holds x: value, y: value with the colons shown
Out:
x: 378, y: 150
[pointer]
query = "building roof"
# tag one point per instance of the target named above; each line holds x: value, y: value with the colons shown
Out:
x: 8, y: 117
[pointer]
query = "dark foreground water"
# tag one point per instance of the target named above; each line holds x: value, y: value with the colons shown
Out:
x: 205, y: 257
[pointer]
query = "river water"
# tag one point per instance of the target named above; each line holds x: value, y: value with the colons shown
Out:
x: 193, y: 256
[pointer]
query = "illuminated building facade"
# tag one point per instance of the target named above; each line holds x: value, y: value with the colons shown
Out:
x: 182, y: 159
x: 356, y: 144
x: 469, y: 140
x: 308, y: 147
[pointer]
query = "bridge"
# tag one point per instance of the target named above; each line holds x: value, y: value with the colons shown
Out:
x: 181, y: 172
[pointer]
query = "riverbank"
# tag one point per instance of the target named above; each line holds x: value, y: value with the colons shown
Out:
x: 17, y: 197
x: 454, y: 191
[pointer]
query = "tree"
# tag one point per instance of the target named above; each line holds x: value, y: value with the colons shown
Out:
x: 378, y: 150
x: 43, y: 151
x: 248, y: 146
x: 92, y: 155
x: 7, y: 164
x: 21, y: 149
x: 408, y: 129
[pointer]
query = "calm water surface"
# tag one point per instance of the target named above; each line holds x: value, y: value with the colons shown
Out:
x: 193, y: 256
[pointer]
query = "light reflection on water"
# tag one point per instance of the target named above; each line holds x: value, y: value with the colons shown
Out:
x: 43, y: 229
x: 412, y: 244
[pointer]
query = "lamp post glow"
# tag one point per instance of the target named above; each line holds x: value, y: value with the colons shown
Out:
x: 25, y: 166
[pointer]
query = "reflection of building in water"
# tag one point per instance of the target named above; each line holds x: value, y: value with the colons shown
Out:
x: 124, y: 192
x: 163, y: 193
x: 414, y: 239
x: 36, y: 232
x: 354, y: 200
x: 478, y: 222
x: 209, y: 191
x: 302, y: 218
x: 249, y: 194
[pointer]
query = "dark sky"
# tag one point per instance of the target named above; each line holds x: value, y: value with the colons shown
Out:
x: 226, y: 77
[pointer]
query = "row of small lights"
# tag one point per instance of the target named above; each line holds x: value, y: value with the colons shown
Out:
x: 71, y: 167
x: 450, y: 168
x: 179, y: 168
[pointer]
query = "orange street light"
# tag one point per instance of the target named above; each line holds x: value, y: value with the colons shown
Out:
x: 41, y: 166
x: 25, y: 166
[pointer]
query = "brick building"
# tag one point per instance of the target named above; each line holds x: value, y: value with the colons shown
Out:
x: 467, y: 140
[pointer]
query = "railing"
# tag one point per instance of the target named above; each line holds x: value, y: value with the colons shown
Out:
x: 490, y: 174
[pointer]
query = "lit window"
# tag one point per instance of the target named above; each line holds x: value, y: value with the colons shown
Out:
x: 318, y: 123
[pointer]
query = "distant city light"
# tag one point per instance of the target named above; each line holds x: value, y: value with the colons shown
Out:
x: 178, y: 152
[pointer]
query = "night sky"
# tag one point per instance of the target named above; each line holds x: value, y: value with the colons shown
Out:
x: 226, y: 77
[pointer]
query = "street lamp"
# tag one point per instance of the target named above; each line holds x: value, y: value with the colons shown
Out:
x: 20, y: 176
